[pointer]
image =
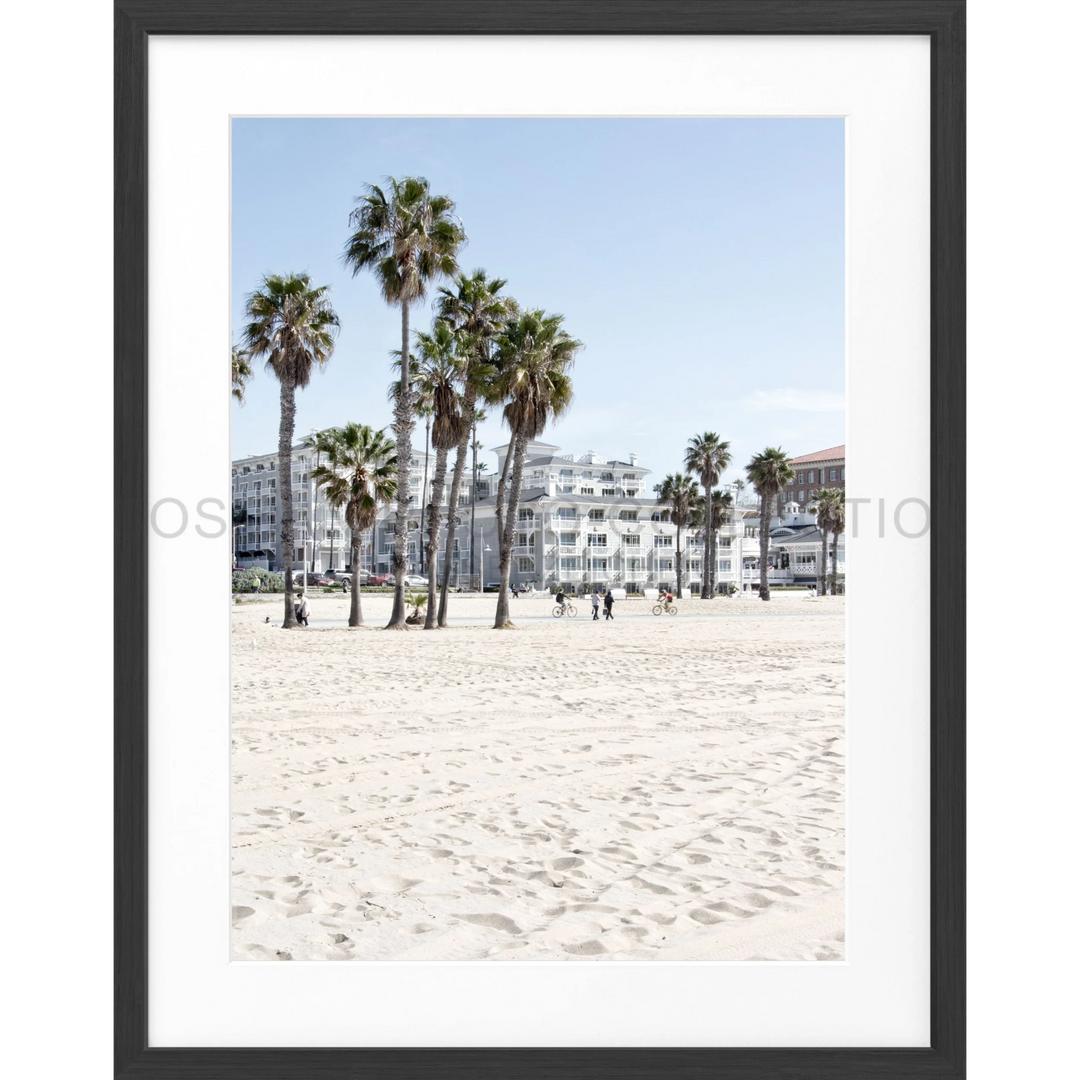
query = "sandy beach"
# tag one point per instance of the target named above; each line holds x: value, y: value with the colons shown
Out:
x: 651, y: 788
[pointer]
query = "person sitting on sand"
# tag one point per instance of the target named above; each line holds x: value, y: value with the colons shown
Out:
x: 300, y: 607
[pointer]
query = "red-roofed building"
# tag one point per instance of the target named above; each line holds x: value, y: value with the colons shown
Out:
x: 824, y: 468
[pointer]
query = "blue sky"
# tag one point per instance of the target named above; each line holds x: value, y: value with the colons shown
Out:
x: 701, y: 261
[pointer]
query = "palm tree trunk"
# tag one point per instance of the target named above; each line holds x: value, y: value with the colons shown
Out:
x: 472, y: 521
x: 823, y: 569
x: 434, y: 528
x: 403, y: 425
x: 707, y: 577
x: 833, y: 569
x: 423, y: 495
x: 678, y: 560
x: 356, y: 616
x: 763, y: 545
x: 285, y: 440
x: 455, y: 493
x: 506, y: 533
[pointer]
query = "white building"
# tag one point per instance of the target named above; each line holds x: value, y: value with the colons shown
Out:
x: 256, y: 540
x: 582, y: 521
x: 794, y: 548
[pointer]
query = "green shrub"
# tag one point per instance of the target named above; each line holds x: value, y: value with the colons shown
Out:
x: 269, y: 582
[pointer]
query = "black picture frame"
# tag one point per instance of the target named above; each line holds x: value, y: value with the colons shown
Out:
x: 943, y: 21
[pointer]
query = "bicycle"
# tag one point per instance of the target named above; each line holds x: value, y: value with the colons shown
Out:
x: 564, y: 609
x: 665, y: 607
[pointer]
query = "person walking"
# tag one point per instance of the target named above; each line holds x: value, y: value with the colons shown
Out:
x: 255, y: 585
x: 300, y: 607
x: 609, y: 602
x: 596, y: 605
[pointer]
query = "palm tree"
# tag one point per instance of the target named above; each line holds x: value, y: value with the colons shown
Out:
x: 708, y: 457
x: 718, y: 508
x: 826, y: 501
x: 533, y: 354
x: 768, y: 471
x: 479, y: 416
x: 241, y: 373
x: 406, y: 238
x: 293, y: 326
x: 358, y: 475
x: 677, y: 492
x: 439, y: 374
x: 839, y: 520
x: 478, y: 314
x: 424, y: 408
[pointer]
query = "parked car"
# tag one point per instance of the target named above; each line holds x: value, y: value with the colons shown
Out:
x: 415, y: 581
x: 337, y: 576
x: 380, y: 579
x: 302, y: 579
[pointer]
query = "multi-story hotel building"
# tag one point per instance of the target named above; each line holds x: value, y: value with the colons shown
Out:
x: 582, y: 521
x: 825, y: 468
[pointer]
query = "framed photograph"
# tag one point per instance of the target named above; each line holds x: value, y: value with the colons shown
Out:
x: 588, y: 694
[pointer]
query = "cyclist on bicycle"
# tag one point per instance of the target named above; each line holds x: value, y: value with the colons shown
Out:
x: 560, y: 599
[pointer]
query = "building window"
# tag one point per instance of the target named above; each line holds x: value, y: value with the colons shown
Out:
x: 609, y: 492
x: 568, y: 539
x: 662, y: 541
x: 791, y: 482
x: 610, y: 477
x: 802, y: 496
x: 631, y: 541
x: 665, y: 565
x: 586, y: 491
x: 596, y: 515
x: 832, y: 475
x: 661, y: 515
x: 525, y: 566
x: 566, y: 472
x: 597, y: 540
x: 586, y: 475
x: 841, y: 474
x: 628, y: 515
x: 724, y: 566
x: 568, y: 564
x: 567, y: 513
x: 802, y: 478
x: 810, y: 477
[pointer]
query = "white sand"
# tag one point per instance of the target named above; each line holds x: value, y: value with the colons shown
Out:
x: 665, y: 788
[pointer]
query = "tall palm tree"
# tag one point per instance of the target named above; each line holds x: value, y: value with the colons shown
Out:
x: 479, y: 416
x: 440, y: 372
x: 359, y: 474
x: 293, y: 325
x: 407, y: 237
x: 708, y: 457
x: 825, y: 507
x: 718, y: 509
x: 677, y: 492
x: 241, y: 373
x: 769, y: 472
x: 422, y: 405
x: 534, y: 352
x: 839, y: 520
x: 478, y: 314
